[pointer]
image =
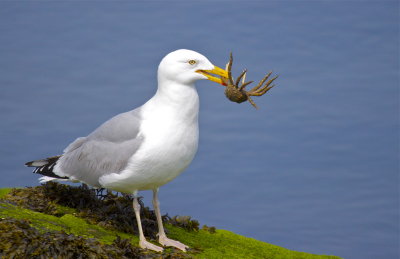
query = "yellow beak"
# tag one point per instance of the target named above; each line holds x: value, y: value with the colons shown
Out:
x: 216, y: 71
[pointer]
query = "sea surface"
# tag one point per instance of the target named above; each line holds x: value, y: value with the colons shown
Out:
x: 314, y: 169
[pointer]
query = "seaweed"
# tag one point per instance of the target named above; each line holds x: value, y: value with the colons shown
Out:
x: 110, y: 210
x: 184, y: 222
x: 212, y: 230
x: 97, y: 206
x: 19, y: 240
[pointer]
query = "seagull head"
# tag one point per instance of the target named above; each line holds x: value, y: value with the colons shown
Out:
x: 187, y: 66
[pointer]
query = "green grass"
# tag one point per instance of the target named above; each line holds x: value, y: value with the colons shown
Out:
x: 226, y: 244
x: 68, y: 223
x: 222, y: 244
x: 4, y: 192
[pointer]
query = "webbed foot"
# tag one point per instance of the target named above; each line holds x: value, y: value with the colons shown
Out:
x: 165, y: 241
x: 147, y: 245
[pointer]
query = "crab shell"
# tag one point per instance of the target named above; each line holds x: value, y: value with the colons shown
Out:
x: 235, y: 95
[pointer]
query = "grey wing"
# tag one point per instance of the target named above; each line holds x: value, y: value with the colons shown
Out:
x: 106, y: 150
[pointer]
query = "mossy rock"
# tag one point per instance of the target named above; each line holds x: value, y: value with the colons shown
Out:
x: 61, y: 221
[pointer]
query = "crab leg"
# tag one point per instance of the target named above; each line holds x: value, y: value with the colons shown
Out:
x: 252, y: 102
x: 229, y: 68
x: 244, y: 77
x: 260, y: 91
x: 261, y: 82
x: 244, y: 85
x: 240, y: 77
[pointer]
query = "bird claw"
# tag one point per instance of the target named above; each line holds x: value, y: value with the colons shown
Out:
x: 165, y: 241
x: 235, y: 89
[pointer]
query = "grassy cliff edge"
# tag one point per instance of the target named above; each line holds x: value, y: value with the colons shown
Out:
x: 71, y: 223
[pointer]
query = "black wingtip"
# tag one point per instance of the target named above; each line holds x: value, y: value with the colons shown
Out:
x: 45, y: 166
x: 29, y: 164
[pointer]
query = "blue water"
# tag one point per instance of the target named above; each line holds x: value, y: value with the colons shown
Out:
x: 315, y: 169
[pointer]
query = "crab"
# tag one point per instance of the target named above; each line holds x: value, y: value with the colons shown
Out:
x: 235, y: 90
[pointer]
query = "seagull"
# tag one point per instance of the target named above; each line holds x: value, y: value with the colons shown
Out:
x: 146, y: 147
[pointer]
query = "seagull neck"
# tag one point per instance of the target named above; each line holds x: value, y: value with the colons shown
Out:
x: 176, y: 94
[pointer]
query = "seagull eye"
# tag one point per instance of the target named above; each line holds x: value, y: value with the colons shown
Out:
x: 192, y: 62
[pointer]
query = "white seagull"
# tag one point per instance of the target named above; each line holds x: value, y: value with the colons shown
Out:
x: 144, y: 148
